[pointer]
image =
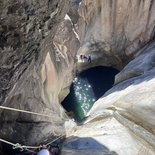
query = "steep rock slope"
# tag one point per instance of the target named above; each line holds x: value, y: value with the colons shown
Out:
x: 122, y: 121
x: 35, y: 67
x: 112, y: 31
x: 121, y: 34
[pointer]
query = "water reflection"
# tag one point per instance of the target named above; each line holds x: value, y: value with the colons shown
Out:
x: 84, y: 94
x: 86, y: 88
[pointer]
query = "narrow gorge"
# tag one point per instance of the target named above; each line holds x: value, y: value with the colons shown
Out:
x: 83, y: 70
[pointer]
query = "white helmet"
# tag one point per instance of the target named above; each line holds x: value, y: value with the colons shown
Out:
x: 43, y: 152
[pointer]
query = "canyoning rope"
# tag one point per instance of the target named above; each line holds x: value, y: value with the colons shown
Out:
x: 25, y: 111
x: 54, y: 140
x: 7, y: 142
x: 25, y: 147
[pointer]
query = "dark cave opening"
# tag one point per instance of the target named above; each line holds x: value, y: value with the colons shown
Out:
x: 86, y: 88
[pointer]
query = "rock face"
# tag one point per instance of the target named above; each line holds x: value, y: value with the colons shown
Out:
x: 122, y: 121
x: 112, y: 31
x: 36, y: 68
x: 39, y: 42
x: 143, y: 62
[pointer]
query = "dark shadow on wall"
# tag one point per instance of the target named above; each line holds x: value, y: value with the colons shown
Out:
x: 85, y: 146
x: 134, y: 73
x: 132, y: 82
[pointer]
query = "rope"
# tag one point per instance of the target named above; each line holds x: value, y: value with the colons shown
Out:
x: 31, y: 151
x: 17, y: 145
x: 7, y: 142
x: 24, y: 111
x: 24, y: 147
x: 54, y: 140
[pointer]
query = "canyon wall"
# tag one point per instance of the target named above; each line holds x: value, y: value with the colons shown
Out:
x: 118, y: 33
x: 122, y: 121
x: 39, y: 42
x: 37, y: 50
x: 112, y: 31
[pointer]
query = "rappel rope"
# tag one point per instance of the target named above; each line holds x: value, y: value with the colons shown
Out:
x: 25, y: 111
x: 24, y: 147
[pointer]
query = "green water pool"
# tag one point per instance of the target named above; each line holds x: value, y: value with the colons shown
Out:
x: 86, y: 88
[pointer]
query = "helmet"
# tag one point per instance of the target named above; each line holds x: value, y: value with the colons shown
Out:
x: 43, y: 152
